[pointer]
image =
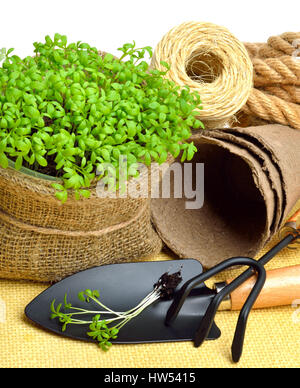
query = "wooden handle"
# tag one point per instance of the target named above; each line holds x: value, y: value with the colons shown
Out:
x: 295, y: 218
x: 292, y: 226
x: 282, y: 287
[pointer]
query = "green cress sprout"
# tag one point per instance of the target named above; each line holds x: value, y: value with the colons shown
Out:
x: 103, y: 330
x: 2, y: 54
x: 68, y: 110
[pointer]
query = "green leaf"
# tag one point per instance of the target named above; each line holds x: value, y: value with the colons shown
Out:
x: 183, y: 157
x: 105, y: 154
x: 52, y: 306
x: 3, y: 144
x: 3, y: 123
x: 184, y: 106
x: 64, y: 40
x: 162, y: 117
x: 113, y: 96
x: 81, y: 296
x: 31, y: 112
x: 175, y: 150
x: 3, y: 160
x: 165, y: 64
x: 62, y: 196
x: 57, y: 186
x: 57, y: 57
x: 85, y: 193
x: 191, y: 151
x: 198, y: 124
x: 114, y: 332
x: 131, y: 125
x: 41, y: 160
x: 29, y: 99
x: 48, y: 40
x: 77, y: 195
x: 18, y: 163
x: 38, y: 86
x: 163, y: 157
x: 154, y: 105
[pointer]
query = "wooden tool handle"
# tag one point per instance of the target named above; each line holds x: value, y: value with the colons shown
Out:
x: 295, y: 218
x: 292, y: 226
x: 282, y: 287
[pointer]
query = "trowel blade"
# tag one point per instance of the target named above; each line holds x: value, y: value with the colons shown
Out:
x: 121, y: 287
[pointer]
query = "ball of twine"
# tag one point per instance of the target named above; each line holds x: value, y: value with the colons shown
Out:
x: 212, y: 62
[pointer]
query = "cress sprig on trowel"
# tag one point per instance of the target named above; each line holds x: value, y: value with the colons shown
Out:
x: 106, y: 329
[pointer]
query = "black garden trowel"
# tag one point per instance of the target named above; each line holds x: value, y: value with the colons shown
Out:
x: 189, y: 315
x: 121, y: 287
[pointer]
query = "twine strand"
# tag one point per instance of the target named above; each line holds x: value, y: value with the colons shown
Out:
x: 212, y: 62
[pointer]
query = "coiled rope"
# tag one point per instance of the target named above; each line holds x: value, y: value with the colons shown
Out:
x: 276, y: 93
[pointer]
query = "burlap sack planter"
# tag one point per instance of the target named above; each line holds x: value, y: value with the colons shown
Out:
x: 252, y: 181
x: 44, y: 240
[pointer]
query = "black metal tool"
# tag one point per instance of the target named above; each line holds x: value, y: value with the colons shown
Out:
x: 208, y: 318
x: 209, y: 315
x: 122, y: 286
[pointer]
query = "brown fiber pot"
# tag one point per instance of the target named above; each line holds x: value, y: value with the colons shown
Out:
x: 252, y: 181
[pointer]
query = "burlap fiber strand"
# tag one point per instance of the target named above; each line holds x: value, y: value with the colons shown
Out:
x: 252, y: 182
x: 44, y: 240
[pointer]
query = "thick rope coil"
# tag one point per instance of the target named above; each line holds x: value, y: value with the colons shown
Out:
x: 272, y: 109
x: 253, y: 48
x: 281, y: 70
x: 288, y: 93
x: 276, y: 93
x: 278, y: 46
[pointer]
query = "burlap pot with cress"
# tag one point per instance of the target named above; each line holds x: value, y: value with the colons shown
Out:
x: 68, y: 116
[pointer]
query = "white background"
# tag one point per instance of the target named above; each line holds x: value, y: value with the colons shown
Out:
x: 110, y: 23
